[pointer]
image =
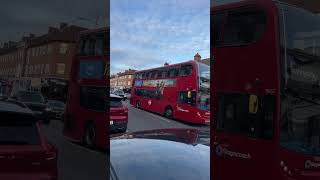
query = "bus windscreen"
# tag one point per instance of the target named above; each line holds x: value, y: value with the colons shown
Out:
x: 90, y: 69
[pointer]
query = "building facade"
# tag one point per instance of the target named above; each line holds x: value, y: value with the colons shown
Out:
x: 41, y: 61
x: 122, y: 80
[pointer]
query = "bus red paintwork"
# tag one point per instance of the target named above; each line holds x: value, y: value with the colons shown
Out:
x: 255, y: 144
x: 164, y: 90
x: 86, y: 106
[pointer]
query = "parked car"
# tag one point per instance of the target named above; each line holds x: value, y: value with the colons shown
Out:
x: 118, y: 115
x: 120, y: 93
x: 173, y: 154
x: 128, y: 95
x: 55, y: 109
x: 35, y: 101
x: 24, y: 151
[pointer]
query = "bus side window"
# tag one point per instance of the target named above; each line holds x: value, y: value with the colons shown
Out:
x: 177, y: 72
x: 186, y: 70
x: 164, y: 73
x: 143, y: 75
x: 216, y: 28
x: 137, y: 76
x: 172, y: 72
x: 159, y: 74
x: 244, y: 27
x: 147, y: 74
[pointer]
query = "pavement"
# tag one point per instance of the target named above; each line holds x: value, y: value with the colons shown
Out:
x: 140, y: 120
x: 76, y: 162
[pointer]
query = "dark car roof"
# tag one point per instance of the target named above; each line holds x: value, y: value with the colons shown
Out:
x: 173, y: 154
x: 14, y: 108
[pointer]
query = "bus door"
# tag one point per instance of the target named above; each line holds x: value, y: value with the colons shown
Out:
x: 243, y: 137
x: 185, y: 105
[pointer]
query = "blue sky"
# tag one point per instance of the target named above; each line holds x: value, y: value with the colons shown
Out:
x: 148, y: 33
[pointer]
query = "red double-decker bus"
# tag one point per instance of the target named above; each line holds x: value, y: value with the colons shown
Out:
x: 86, y: 116
x: 266, y: 93
x: 179, y: 91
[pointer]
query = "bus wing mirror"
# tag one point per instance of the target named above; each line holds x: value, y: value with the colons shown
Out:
x: 253, y: 104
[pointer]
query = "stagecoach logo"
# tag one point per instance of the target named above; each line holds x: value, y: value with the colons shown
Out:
x: 310, y: 164
x: 149, y: 102
x: 222, y: 151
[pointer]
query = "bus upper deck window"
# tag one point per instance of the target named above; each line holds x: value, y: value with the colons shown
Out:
x: 164, y: 74
x: 99, y: 47
x: 216, y: 27
x: 186, y: 70
x: 244, y: 27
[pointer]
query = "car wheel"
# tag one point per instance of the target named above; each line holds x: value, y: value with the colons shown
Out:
x: 89, y: 138
x: 168, y: 113
x: 138, y: 105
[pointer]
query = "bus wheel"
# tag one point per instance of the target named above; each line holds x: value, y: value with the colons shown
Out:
x: 168, y: 112
x: 89, y: 138
x: 138, y: 104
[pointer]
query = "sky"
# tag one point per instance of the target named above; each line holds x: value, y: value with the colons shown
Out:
x: 22, y: 17
x: 147, y: 33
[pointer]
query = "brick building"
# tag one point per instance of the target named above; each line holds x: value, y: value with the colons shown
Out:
x: 122, y: 80
x: 41, y: 61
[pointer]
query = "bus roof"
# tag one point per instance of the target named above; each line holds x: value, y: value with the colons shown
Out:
x: 165, y: 66
x: 237, y: 3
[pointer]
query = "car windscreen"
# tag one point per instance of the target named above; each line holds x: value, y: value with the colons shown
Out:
x: 115, y: 102
x: 30, y: 97
x: 18, y: 129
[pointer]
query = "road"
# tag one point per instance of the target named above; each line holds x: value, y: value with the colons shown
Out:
x: 74, y: 161
x: 140, y: 120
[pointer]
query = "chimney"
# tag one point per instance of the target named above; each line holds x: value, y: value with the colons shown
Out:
x: 63, y: 26
x: 197, y: 57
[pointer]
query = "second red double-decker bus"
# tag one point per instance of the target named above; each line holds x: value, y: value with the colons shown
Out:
x: 86, y: 115
x: 266, y: 93
x: 180, y: 91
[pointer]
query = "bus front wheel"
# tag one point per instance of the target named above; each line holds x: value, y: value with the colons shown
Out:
x: 90, y: 135
x: 168, y: 113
